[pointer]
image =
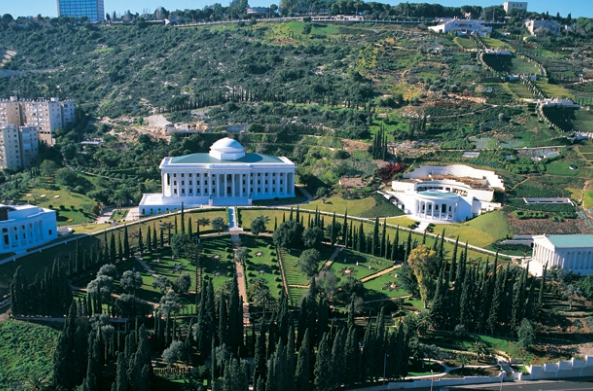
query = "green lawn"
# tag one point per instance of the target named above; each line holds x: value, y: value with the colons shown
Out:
x: 215, y: 260
x: 26, y: 351
x: 465, y: 43
x: 553, y: 90
x: 263, y: 263
x: 588, y: 199
x: 57, y: 198
x: 480, y: 231
x: 358, y: 265
x: 521, y: 66
x: 119, y: 214
x: 496, y: 44
x: 583, y: 122
x: 518, y: 90
x: 385, y: 286
x: 340, y: 205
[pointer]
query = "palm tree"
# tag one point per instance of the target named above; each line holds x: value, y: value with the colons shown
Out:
x: 260, y: 293
x: 242, y: 254
x: 463, y: 360
x: 36, y: 383
x: 424, y: 322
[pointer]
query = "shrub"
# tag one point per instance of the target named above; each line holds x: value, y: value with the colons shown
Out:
x: 251, y: 274
x: 273, y: 253
x: 229, y: 256
x: 270, y: 246
x: 273, y: 260
x: 279, y: 286
x: 278, y: 279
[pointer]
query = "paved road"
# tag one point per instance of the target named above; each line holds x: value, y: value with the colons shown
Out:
x: 585, y: 384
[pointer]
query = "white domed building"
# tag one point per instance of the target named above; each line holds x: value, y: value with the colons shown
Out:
x: 446, y: 193
x: 26, y: 226
x: 227, y: 176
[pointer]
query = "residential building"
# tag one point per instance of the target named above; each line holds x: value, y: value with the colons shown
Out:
x: 542, y: 27
x: 92, y: 9
x: 225, y: 176
x: 514, y: 5
x: 19, y: 146
x: 26, y: 226
x: 446, y: 193
x: 569, y: 252
x: 46, y: 115
x: 461, y: 26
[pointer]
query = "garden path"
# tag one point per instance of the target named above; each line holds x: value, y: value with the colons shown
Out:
x: 379, y: 274
x: 236, y: 240
x: 325, y: 266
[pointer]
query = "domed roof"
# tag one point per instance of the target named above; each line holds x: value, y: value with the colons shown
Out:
x: 227, y: 149
x: 226, y: 144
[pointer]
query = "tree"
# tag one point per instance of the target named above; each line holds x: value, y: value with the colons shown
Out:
x: 100, y: 286
x: 161, y: 283
x: 130, y: 281
x: 173, y: 353
x: 48, y: 167
x: 182, y: 283
x: 312, y: 237
x: 289, y: 234
x: 258, y: 225
x: 323, y: 366
x: 424, y: 263
x: 183, y: 246
x: 242, y: 254
x: 218, y: 224
x: 168, y: 304
x: 526, y: 334
x: 308, y: 262
x: 571, y: 292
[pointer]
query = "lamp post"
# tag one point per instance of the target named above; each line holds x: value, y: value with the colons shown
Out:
x: 501, y: 377
x: 384, y: 368
x: 431, y: 379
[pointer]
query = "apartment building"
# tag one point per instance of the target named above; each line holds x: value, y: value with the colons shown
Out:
x: 45, y: 115
x: 19, y: 146
x: 514, y: 5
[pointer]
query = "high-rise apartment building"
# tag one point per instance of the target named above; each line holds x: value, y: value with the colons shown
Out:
x: 45, y: 115
x: 92, y: 9
x: 19, y: 146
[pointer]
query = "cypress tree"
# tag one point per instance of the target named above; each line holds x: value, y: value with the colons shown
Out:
x: 493, y: 317
x: 453, y: 261
x: 323, y: 366
x: 351, y: 358
x: 162, y: 237
x: 127, y: 252
x: 189, y: 228
x: 112, y: 249
x: 408, y: 246
x: 383, y: 249
x: 375, y: 241
x: 542, y: 287
x: 121, y: 378
x: 290, y: 215
x: 176, y: 226
x: 259, y: 359
x: 275, y: 223
x: 368, y: 352
x: 345, y: 229
x: 140, y: 241
x: 442, y: 246
x: 361, y: 238
x: 298, y: 213
x: 351, y: 235
x: 182, y: 220
x: 302, y: 372
x: 338, y: 358
x: 332, y: 232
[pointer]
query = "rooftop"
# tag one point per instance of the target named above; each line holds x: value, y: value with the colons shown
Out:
x: 441, y: 194
x: 571, y: 240
x: 205, y: 158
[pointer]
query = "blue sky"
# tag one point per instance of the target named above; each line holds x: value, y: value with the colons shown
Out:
x: 48, y: 7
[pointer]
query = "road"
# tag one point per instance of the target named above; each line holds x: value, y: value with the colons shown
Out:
x: 584, y: 384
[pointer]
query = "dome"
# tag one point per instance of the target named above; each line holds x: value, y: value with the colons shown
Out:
x: 227, y: 149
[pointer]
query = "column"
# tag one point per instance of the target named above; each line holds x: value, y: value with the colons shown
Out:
x: 233, y: 185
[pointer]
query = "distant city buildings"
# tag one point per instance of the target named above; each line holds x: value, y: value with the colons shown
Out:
x: 542, y: 27
x: 461, y: 26
x: 514, y: 5
x: 19, y: 146
x: 46, y: 115
x: 92, y: 9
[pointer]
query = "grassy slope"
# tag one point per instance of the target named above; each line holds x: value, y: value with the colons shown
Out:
x: 26, y: 350
x: 481, y: 231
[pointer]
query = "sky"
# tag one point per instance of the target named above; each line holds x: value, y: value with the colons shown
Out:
x: 49, y: 8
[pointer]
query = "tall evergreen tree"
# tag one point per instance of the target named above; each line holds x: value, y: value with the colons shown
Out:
x: 453, y: 261
x: 302, y: 373
x: 383, y: 249
x: 112, y: 249
x: 182, y: 219
x: 323, y: 366
x: 375, y: 241
x: 140, y: 241
x: 127, y: 252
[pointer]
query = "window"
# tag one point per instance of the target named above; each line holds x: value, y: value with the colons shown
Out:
x: 274, y: 182
x: 258, y: 182
x: 174, y: 191
x: 189, y: 175
x: 190, y: 183
x: 174, y: 183
x: 281, y: 182
x: 174, y: 175
x: 51, y: 232
x: 259, y: 189
x: 182, y: 183
x: 266, y: 182
x: 182, y: 175
x: 266, y: 189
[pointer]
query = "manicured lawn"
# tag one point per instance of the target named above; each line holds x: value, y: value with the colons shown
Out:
x: 263, y: 263
x: 215, y: 260
x: 495, y: 43
x: 480, y: 231
x: 119, y: 214
x: 402, y: 221
x: 340, y: 205
x: 562, y: 167
x: 357, y: 265
x: 296, y: 294
x: 554, y: 91
x: 26, y: 351
x: 588, y: 199
x: 294, y: 276
x: 44, y: 198
x: 248, y: 215
x: 518, y: 90
x: 465, y: 42
x: 521, y: 66
x: 385, y: 286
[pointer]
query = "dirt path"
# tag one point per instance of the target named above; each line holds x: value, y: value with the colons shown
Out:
x: 236, y: 240
x: 379, y: 274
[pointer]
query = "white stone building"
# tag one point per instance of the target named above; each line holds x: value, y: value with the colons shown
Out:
x: 514, y: 5
x: 26, y: 226
x: 446, y: 193
x: 570, y: 252
x: 548, y: 26
x: 225, y: 176
x: 463, y: 26
x: 19, y: 146
x: 46, y: 115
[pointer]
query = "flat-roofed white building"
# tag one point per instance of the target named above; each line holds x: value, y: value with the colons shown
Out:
x: 226, y: 176
x: 25, y: 226
x: 446, y: 193
x: 514, y: 5
x: 569, y: 252
x: 463, y: 26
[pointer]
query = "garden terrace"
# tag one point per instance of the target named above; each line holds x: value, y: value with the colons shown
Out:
x: 262, y: 262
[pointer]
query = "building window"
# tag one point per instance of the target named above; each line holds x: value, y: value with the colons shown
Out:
x: 190, y: 182
x: 258, y: 182
x: 175, y: 191
x: 174, y: 183
x: 174, y: 175
x: 259, y: 189
x: 51, y: 232
x: 266, y: 189
x: 274, y: 182
x: 182, y: 183
x: 266, y: 182
x: 182, y: 175
x: 189, y: 175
